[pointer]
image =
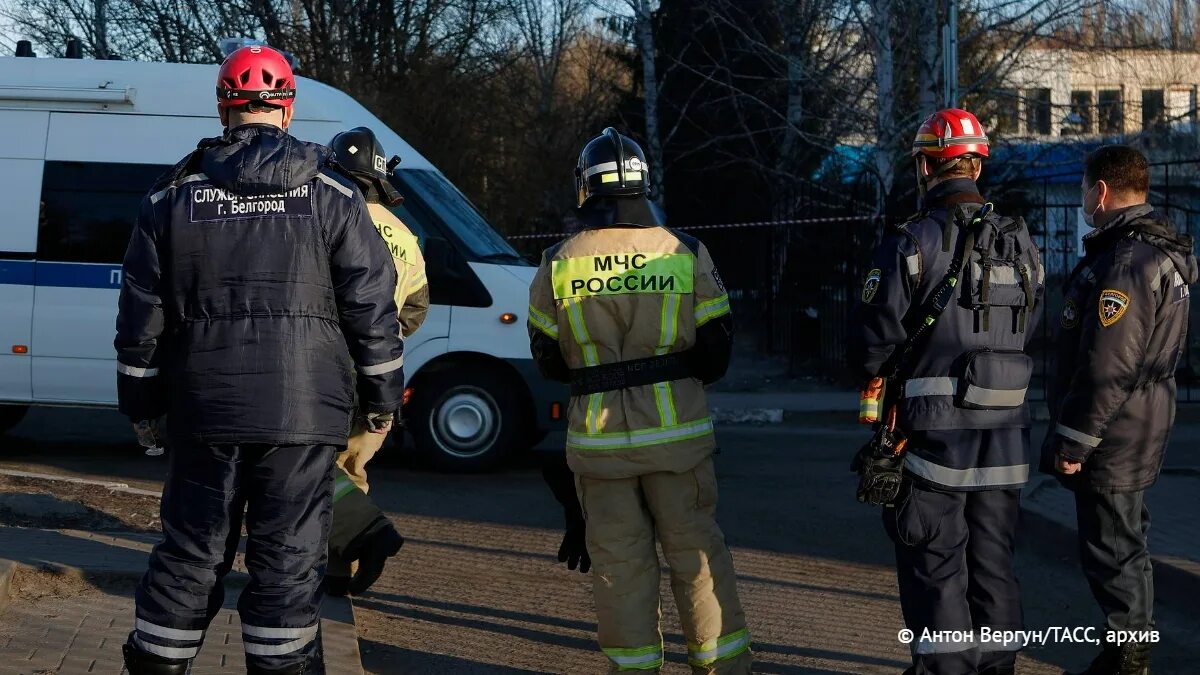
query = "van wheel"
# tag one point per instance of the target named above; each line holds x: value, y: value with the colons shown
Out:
x: 465, y: 419
x: 11, y: 416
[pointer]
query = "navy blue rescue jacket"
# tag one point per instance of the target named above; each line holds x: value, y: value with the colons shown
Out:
x: 253, y: 285
x: 970, y: 372
x: 1120, y: 337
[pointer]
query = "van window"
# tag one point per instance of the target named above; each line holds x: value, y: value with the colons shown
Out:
x: 432, y: 203
x: 89, y: 209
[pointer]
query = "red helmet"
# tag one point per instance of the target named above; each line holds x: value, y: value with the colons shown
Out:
x: 256, y: 74
x: 951, y: 133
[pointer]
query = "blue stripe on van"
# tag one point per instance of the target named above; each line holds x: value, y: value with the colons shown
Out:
x: 59, y: 274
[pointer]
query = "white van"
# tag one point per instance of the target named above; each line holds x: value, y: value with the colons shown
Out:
x: 81, y: 141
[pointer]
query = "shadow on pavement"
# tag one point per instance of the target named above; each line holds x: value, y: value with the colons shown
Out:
x: 379, y: 657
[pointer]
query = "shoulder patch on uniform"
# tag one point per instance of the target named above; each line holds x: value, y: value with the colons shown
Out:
x: 1113, y: 305
x: 871, y: 285
x: 1070, y: 315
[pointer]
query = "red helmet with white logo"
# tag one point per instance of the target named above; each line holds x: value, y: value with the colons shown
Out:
x: 951, y: 133
x: 256, y: 74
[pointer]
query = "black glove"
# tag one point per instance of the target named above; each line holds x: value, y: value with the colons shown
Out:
x: 573, y: 550
x: 880, y: 465
x: 561, y: 480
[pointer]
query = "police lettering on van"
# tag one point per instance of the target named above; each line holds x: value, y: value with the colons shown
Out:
x: 622, y: 273
x: 213, y: 203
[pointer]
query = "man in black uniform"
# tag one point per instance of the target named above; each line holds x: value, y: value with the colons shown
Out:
x: 1122, y: 330
x: 253, y: 282
x: 958, y: 377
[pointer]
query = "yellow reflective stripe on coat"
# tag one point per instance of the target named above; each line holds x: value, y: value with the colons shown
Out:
x: 641, y: 658
x: 542, y: 322
x: 664, y: 398
x: 724, y: 647
x: 711, y: 309
x: 622, y: 274
x: 400, y: 242
x: 590, y: 358
x: 625, y: 440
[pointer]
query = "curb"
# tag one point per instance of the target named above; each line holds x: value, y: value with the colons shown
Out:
x: 8, y: 569
x: 1176, y: 580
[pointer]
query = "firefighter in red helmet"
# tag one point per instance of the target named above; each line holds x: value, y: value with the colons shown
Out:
x: 947, y: 309
x: 254, y: 285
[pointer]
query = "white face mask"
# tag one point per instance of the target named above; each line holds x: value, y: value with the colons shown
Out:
x: 1089, y: 217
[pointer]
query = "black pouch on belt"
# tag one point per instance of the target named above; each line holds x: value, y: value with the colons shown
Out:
x: 626, y: 374
x: 994, y: 380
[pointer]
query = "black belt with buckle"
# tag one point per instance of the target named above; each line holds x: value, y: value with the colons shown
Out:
x: 626, y: 374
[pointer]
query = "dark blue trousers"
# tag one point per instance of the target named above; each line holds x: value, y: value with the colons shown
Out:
x: 285, y: 493
x: 954, y: 559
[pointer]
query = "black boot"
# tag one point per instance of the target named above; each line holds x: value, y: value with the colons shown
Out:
x: 138, y: 662
x: 1131, y: 658
x: 383, y: 543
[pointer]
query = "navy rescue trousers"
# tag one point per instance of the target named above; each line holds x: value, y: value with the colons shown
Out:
x: 954, y: 562
x: 286, y: 494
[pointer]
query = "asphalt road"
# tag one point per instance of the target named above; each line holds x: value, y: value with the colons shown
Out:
x: 477, y: 589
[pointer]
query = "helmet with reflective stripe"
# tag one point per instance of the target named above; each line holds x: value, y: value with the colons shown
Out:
x: 256, y: 74
x: 951, y: 133
x: 611, y: 165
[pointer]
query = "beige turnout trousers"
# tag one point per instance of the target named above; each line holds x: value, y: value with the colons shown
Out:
x: 624, y: 515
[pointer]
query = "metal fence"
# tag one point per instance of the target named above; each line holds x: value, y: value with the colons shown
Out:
x: 794, y: 282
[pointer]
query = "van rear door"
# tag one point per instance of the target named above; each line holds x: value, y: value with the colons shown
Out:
x: 22, y: 145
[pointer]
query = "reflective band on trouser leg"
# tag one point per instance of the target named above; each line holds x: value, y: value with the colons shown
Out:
x: 724, y: 647
x: 590, y: 358
x: 641, y: 658
x: 167, y: 642
x: 1077, y: 436
x: 268, y: 641
x: 668, y: 333
x: 342, y: 485
x: 134, y: 371
x: 711, y: 309
x: 623, y: 440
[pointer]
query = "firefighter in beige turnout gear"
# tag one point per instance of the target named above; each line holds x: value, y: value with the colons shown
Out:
x: 362, y: 537
x: 635, y: 317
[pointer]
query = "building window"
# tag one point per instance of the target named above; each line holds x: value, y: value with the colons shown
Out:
x: 1082, y: 117
x: 1007, y: 115
x: 1154, y: 109
x: 1109, y: 112
x: 89, y: 209
x: 1037, y: 111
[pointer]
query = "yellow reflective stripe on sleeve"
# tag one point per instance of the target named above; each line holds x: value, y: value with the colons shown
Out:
x: 722, y: 648
x: 668, y: 333
x: 641, y: 658
x: 590, y: 358
x: 542, y: 322
x: 625, y: 440
x: 711, y: 309
x: 622, y: 274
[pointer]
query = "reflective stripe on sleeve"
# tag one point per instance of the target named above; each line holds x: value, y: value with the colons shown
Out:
x: 543, y: 322
x: 913, y: 263
x: 382, y: 368
x: 984, y: 476
x: 342, y: 486
x: 664, y: 398
x: 642, y: 658
x: 711, y: 309
x: 192, y: 178
x: 591, y: 357
x: 1077, y: 436
x: 995, y: 398
x: 333, y: 183
x: 134, y: 371
x: 724, y: 647
x: 143, y: 626
x: 165, y: 652
x: 623, y: 440
x: 930, y: 386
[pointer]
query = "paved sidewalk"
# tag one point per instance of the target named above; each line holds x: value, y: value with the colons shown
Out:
x: 1174, y: 529
x: 79, y: 626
